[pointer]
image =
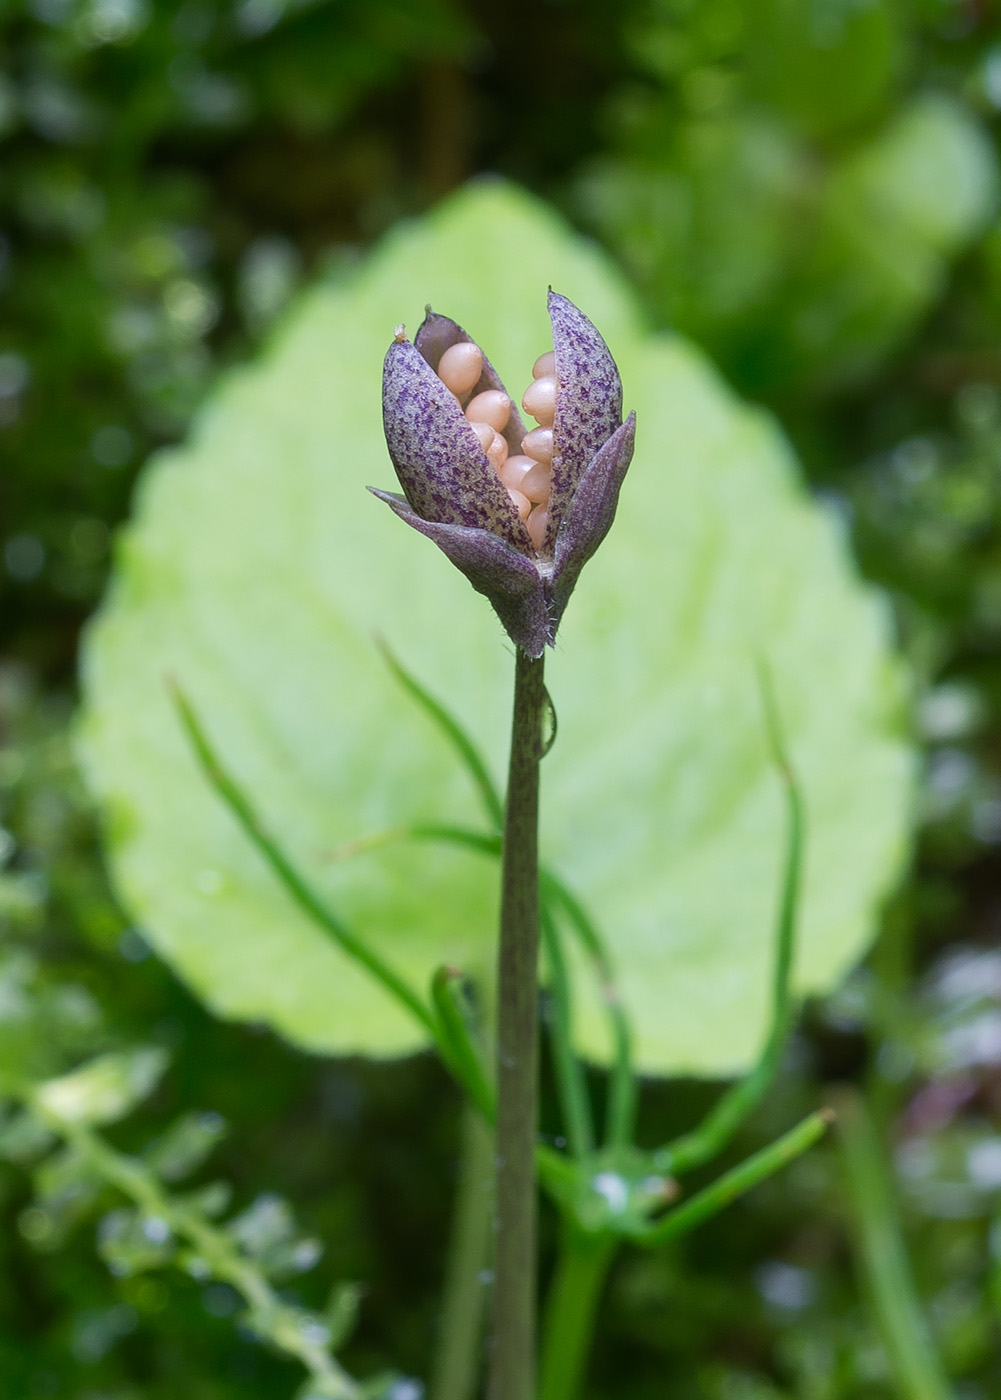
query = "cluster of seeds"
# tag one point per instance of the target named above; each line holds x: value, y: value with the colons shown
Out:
x: 527, y: 476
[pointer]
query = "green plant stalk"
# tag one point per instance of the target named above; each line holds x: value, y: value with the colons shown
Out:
x: 622, y: 1097
x: 732, y: 1184
x: 457, y: 1045
x: 622, y: 1105
x: 581, y: 1268
x: 570, y: 1077
x: 622, y: 1091
x: 458, y: 1354
x: 893, y: 971
x: 218, y: 1250
x: 512, y: 1357
x: 444, y: 1023
x: 311, y: 905
x: 879, y: 1242
x: 623, y: 1088
x: 454, y: 733
x: 621, y: 1115
x: 714, y: 1133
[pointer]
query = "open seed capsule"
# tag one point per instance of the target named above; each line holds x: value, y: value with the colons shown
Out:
x: 519, y: 530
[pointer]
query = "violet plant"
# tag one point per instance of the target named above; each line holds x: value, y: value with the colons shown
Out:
x: 520, y: 513
x: 521, y: 529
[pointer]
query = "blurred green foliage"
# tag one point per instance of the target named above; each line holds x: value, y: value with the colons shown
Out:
x: 806, y: 186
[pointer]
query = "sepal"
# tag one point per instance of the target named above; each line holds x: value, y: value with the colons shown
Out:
x: 590, y: 514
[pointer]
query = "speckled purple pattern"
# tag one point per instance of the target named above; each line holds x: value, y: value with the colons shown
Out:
x: 453, y: 494
x: 588, y: 403
x: 590, y: 514
x: 441, y: 466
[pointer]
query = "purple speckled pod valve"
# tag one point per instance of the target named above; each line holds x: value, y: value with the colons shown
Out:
x: 452, y: 492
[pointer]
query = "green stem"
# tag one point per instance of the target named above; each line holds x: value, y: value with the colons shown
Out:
x: 581, y: 1269
x: 623, y: 1097
x: 458, y: 1048
x: 917, y: 1367
x: 732, y: 1184
x: 457, y: 1360
x: 707, y: 1141
x: 622, y: 1090
x: 570, y: 1077
x: 454, y: 732
x: 295, y: 886
x: 512, y: 1361
x: 622, y: 1093
x: 892, y: 982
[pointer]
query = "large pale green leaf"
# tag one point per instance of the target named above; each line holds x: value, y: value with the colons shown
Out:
x: 257, y: 571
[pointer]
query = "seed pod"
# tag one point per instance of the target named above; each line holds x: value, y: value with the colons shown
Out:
x: 453, y: 494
